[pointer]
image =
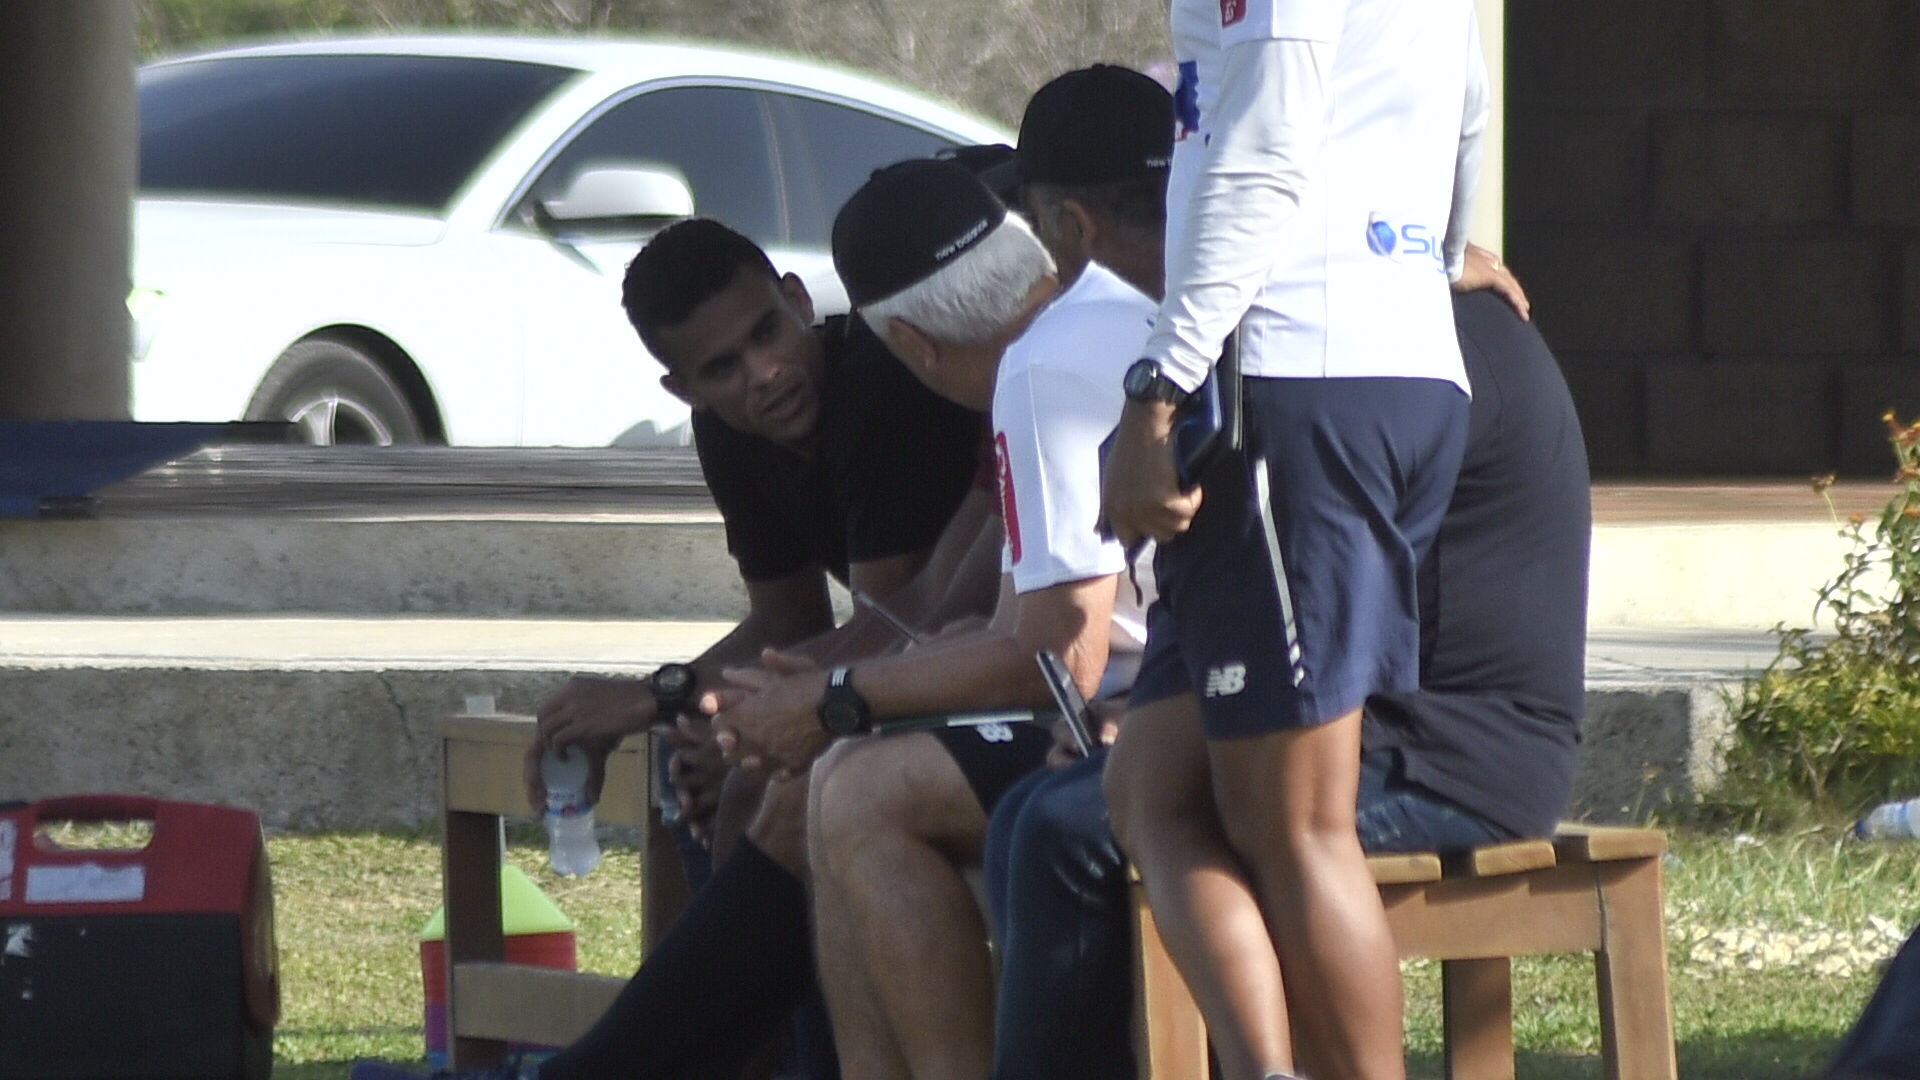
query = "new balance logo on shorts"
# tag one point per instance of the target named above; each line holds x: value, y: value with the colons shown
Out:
x: 995, y: 732
x: 1225, y: 680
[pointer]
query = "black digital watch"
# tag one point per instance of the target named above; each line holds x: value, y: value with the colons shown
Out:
x: 1145, y: 381
x: 672, y: 687
x: 842, y: 710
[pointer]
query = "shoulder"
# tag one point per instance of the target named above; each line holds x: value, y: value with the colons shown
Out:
x: 1096, y: 320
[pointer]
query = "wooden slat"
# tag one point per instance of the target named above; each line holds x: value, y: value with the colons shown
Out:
x: 1606, y: 843
x: 529, y: 1004
x: 1552, y: 910
x: 1404, y: 868
x: 1494, y: 860
x: 485, y: 755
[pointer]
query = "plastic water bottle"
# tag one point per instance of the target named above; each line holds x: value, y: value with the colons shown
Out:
x: 1892, y: 821
x: 572, y: 849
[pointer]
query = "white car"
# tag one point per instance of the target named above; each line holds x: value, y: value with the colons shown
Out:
x: 422, y: 239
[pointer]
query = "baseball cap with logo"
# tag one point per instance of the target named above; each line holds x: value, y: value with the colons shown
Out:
x: 1094, y: 126
x: 906, y: 222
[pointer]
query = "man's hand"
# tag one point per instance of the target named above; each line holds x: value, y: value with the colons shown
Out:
x: 696, y: 771
x: 1140, y: 493
x: 1484, y: 270
x: 593, y: 713
x: 769, y: 717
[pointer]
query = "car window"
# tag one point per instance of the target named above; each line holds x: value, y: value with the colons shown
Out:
x: 390, y: 130
x: 828, y: 150
x: 716, y: 136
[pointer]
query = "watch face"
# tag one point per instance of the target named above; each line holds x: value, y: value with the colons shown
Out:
x: 1140, y: 376
x: 841, y: 717
x: 672, y: 680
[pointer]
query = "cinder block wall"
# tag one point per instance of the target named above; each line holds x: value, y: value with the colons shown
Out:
x: 1715, y: 205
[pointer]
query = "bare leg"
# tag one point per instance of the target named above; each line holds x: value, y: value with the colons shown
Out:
x: 1287, y: 801
x: 892, y: 820
x: 1160, y: 796
x: 861, y: 1034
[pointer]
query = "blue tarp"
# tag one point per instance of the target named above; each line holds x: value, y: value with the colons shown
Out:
x: 48, y: 463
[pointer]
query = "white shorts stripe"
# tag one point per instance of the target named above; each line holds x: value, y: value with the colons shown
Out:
x: 1262, y: 494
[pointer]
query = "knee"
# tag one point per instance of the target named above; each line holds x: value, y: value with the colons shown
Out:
x: 849, y: 798
x: 1065, y: 829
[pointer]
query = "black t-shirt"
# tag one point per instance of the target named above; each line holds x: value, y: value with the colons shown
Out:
x: 891, y: 461
x: 1503, y: 597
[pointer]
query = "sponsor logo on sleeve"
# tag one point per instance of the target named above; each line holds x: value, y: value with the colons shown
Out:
x: 1009, y: 511
x: 1232, y: 11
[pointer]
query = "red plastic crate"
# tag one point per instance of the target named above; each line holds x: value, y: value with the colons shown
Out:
x: 136, y: 964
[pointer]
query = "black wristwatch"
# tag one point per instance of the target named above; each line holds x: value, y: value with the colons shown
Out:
x: 842, y: 710
x: 1146, y: 382
x: 672, y: 686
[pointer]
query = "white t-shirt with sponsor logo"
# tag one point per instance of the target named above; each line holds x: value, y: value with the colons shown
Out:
x: 1056, y: 398
x: 1328, y: 204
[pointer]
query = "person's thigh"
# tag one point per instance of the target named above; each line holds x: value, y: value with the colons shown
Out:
x: 1394, y: 815
x: 995, y: 862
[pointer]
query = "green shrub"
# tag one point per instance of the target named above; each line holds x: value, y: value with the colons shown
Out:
x: 1832, y: 726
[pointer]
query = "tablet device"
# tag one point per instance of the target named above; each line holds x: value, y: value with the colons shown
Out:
x: 1066, y: 694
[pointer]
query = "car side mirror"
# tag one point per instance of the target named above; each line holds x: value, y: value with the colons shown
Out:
x: 626, y: 193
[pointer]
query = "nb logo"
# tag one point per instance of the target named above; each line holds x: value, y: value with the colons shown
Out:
x: 995, y: 732
x: 1225, y: 680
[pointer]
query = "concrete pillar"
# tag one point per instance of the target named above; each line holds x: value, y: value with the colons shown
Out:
x: 67, y: 166
x: 1490, y: 199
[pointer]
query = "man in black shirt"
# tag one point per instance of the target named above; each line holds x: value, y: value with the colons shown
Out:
x: 825, y: 458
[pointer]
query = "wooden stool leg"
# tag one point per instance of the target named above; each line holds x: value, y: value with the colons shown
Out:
x: 1636, y: 1015
x: 1477, y: 1001
x: 663, y: 882
x: 470, y: 876
x: 1170, y: 1038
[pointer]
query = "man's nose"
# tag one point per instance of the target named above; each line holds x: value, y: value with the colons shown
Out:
x: 764, y: 365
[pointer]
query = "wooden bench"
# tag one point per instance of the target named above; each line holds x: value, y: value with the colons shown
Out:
x: 490, y: 1002
x: 1589, y: 889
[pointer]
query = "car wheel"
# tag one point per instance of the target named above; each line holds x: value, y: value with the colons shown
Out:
x: 337, y: 395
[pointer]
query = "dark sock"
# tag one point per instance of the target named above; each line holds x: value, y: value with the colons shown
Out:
x: 727, y: 974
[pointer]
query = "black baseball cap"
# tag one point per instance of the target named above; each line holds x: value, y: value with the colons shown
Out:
x: 1094, y: 126
x: 907, y: 221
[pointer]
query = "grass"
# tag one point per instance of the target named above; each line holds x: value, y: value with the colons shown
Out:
x: 1773, y: 943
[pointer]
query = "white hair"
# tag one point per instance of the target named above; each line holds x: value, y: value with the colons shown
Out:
x: 975, y: 296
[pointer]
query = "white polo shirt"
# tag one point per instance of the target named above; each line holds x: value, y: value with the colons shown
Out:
x: 1329, y: 207
x: 1056, y: 398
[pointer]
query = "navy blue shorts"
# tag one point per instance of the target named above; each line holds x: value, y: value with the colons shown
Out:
x: 1294, y: 595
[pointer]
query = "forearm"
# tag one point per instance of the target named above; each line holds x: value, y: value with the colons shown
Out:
x: 1263, y: 155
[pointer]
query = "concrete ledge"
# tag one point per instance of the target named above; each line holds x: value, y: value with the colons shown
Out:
x: 660, y: 566
x: 1647, y: 749
x: 675, y: 566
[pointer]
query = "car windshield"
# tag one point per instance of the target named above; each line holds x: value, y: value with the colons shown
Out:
x: 401, y: 131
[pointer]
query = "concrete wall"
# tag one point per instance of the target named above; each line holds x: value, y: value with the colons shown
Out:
x: 1715, y: 205
x: 314, y: 750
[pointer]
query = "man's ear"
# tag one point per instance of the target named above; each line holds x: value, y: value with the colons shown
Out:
x: 1079, y: 225
x: 796, y: 293
x: 914, y: 348
x: 671, y: 385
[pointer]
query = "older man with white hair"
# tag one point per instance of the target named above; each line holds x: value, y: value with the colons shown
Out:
x: 968, y: 298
